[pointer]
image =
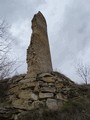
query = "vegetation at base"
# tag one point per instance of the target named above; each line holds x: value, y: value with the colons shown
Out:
x: 3, y: 91
x: 55, y: 115
x: 72, y: 110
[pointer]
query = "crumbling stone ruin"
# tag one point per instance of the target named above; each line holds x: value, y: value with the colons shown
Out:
x: 38, y: 52
x: 40, y: 87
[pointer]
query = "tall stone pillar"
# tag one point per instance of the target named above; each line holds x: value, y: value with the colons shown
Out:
x: 38, y: 52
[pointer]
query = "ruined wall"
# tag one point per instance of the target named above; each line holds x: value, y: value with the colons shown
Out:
x: 46, y: 91
x: 40, y: 88
x: 38, y: 52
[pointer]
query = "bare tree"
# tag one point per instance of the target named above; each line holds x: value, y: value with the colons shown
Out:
x: 83, y: 71
x: 6, y: 64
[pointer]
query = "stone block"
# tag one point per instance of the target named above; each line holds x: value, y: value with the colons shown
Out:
x: 38, y: 104
x: 28, y: 85
x: 52, y: 104
x: 46, y: 95
x: 45, y: 75
x: 28, y: 95
x: 48, y: 89
x: 59, y: 96
x: 48, y: 79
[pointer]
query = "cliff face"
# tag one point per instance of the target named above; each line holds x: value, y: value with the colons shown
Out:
x: 38, y: 53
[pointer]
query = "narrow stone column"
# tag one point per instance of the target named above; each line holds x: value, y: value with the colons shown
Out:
x: 38, y: 52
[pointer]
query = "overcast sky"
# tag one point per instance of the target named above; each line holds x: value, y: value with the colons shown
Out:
x: 68, y: 30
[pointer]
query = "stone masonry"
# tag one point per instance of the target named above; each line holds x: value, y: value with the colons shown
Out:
x: 38, y: 52
x: 40, y: 87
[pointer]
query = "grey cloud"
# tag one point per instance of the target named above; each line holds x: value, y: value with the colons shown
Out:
x: 75, y: 33
x: 12, y: 10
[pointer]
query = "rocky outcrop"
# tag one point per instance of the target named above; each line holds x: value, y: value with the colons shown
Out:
x: 38, y: 53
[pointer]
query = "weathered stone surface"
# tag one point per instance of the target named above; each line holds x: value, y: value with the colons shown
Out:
x: 14, y: 89
x: 59, y: 85
x: 52, y: 104
x: 28, y: 85
x: 48, y: 89
x: 29, y: 77
x: 45, y: 75
x: 65, y: 90
x: 41, y: 83
x: 28, y: 95
x: 17, y: 102
x: 59, y: 96
x: 25, y: 81
x: 46, y: 95
x: 38, y: 104
x: 48, y: 79
x: 37, y: 88
x: 38, y: 53
x: 51, y: 84
x: 12, y: 97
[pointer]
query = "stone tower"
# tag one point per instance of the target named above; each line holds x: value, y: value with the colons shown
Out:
x: 38, y: 52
